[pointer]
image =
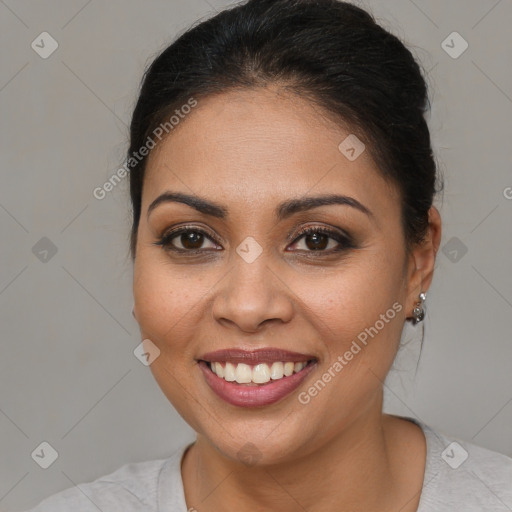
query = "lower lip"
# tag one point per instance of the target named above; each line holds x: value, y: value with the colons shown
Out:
x: 243, y: 395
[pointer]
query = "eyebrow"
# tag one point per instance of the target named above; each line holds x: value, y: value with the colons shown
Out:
x: 283, y: 211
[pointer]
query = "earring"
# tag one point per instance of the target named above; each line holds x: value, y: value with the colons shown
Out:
x: 418, y: 313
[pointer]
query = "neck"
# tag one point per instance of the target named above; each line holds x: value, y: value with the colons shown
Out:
x: 352, y: 471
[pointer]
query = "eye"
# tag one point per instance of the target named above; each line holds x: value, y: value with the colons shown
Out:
x: 321, y: 239
x: 187, y: 239
x: 193, y: 240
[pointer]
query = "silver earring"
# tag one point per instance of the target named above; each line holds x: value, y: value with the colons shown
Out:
x: 418, y: 313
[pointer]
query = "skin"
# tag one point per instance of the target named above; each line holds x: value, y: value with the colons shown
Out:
x: 249, y: 151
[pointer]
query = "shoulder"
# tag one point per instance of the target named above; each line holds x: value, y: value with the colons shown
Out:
x: 133, y: 487
x: 460, y: 475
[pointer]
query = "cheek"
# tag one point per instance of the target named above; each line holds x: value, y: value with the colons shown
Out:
x: 354, y: 296
x: 360, y: 303
x: 166, y: 305
x: 359, y: 315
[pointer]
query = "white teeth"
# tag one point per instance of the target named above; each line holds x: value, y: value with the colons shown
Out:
x: 261, y: 373
x: 229, y: 372
x: 258, y: 374
x: 243, y: 373
x: 288, y: 369
x: 277, y: 370
x: 218, y: 369
x: 298, y: 367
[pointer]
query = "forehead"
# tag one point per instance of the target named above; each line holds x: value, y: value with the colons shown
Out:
x: 258, y: 146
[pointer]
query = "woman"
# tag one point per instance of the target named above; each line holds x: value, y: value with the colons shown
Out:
x: 282, y: 182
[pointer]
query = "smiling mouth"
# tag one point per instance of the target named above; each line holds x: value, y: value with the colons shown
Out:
x: 255, y: 378
x: 258, y: 374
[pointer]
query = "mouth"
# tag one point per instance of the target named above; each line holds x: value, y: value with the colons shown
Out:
x: 255, y: 378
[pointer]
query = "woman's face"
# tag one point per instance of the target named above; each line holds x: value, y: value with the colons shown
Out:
x: 243, y: 278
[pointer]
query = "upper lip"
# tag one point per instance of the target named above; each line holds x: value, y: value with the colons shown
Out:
x: 262, y: 355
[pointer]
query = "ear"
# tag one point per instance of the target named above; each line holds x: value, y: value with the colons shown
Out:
x: 422, y: 261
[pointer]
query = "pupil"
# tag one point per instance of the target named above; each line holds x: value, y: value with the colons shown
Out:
x: 317, y: 245
x: 192, y: 240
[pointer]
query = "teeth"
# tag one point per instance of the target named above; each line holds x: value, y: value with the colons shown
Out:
x: 259, y: 374
x: 229, y: 372
x: 243, y: 373
x: 218, y: 369
x: 277, y: 371
x: 298, y: 367
x: 288, y: 369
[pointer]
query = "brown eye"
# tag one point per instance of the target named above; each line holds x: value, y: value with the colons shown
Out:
x: 316, y: 241
x: 187, y: 240
x: 321, y: 240
x: 191, y: 240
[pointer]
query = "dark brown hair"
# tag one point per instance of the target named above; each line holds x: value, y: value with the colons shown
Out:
x: 334, y: 54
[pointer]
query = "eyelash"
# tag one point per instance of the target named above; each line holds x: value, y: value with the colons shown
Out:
x: 165, y: 241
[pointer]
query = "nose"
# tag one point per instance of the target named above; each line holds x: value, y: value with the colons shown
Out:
x: 251, y: 295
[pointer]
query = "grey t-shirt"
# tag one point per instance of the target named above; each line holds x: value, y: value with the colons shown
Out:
x: 458, y: 476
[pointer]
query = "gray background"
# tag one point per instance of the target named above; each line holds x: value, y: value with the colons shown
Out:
x: 68, y: 375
